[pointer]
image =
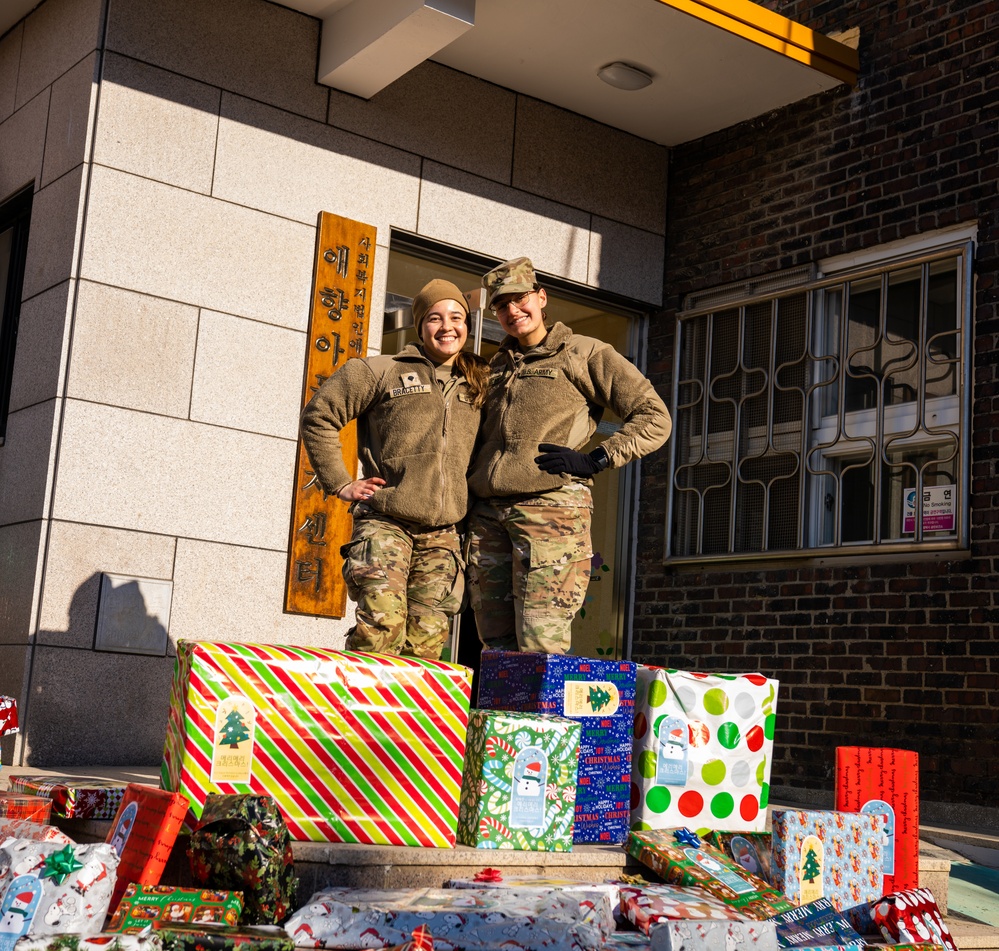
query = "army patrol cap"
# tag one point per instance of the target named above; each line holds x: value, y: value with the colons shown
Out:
x: 510, y: 277
x: 432, y: 293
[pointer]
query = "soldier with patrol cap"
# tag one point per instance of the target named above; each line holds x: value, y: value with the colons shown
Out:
x: 529, y: 531
x: 418, y: 414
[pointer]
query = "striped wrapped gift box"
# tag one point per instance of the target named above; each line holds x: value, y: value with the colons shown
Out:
x: 354, y: 747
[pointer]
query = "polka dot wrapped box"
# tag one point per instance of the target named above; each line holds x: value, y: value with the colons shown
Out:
x: 518, y: 787
x: 600, y: 695
x: 703, y: 748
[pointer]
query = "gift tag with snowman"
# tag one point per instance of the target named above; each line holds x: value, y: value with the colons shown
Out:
x: 671, y: 763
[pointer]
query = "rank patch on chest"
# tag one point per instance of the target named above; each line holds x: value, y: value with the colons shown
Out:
x: 548, y: 373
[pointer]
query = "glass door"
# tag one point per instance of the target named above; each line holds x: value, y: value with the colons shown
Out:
x: 600, y: 628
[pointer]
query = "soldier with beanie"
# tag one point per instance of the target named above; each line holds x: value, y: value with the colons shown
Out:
x: 529, y: 531
x: 418, y: 413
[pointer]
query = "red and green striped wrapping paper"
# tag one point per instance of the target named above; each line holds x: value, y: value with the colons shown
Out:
x: 354, y: 747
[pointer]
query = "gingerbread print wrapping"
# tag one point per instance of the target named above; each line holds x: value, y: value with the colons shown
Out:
x: 682, y: 862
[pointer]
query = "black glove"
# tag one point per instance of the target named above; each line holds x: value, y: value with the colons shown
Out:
x: 559, y: 460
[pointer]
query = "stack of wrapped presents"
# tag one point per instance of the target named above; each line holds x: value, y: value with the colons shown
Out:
x: 268, y: 744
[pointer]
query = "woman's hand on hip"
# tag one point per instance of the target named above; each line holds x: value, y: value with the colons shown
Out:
x: 361, y: 490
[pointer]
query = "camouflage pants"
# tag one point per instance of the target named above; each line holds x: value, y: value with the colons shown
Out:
x: 407, y: 585
x: 529, y: 565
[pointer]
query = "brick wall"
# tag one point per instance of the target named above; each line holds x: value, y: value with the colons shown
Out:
x: 894, y: 654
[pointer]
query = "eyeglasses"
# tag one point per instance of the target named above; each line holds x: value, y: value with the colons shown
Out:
x: 519, y: 300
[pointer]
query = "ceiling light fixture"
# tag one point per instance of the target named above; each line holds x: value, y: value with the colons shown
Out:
x: 622, y: 76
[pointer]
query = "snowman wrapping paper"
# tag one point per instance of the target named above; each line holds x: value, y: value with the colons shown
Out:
x: 714, y: 936
x: 703, y: 749
x: 518, y: 919
x: 49, y: 888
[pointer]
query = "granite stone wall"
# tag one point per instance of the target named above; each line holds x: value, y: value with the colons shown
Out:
x: 185, y: 226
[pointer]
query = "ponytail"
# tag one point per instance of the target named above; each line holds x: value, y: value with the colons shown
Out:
x: 475, y: 370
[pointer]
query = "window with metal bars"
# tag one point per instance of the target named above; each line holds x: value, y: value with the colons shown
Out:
x: 827, y: 418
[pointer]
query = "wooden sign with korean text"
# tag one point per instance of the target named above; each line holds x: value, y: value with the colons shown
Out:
x: 338, y: 330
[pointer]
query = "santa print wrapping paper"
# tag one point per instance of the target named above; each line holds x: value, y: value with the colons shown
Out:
x: 751, y: 850
x: 95, y: 942
x: 612, y: 889
x: 912, y: 916
x: 600, y: 694
x: 714, y: 936
x: 835, y: 855
x: 15, y: 805
x: 518, y: 787
x: 73, y: 797
x: 885, y: 782
x: 141, y: 905
x: 72, y: 885
x: 647, y: 905
x: 815, y: 924
x: 184, y: 936
x: 703, y: 749
x: 457, y: 919
x: 354, y: 747
x: 705, y: 867
x: 143, y: 834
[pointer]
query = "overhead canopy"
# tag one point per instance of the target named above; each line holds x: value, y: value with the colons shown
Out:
x: 713, y: 63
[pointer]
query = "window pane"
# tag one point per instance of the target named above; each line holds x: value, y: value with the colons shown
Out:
x: 827, y: 413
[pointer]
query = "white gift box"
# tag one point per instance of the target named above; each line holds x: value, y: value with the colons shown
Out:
x: 703, y: 749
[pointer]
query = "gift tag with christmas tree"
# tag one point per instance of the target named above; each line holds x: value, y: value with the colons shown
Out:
x: 232, y: 746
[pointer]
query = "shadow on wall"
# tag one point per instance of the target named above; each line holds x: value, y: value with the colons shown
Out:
x: 96, y: 708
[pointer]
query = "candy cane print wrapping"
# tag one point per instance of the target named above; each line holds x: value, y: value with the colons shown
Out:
x: 519, y: 784
x: 353, y: 747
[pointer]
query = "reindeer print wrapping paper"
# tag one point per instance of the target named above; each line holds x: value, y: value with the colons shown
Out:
x: 457, y: 919
x: 74, y: 884
x: 835, y: 855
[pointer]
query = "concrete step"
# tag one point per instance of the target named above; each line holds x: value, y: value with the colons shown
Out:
x: 320, y: 864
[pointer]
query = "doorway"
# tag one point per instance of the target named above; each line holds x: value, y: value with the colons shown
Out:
x: 601, y: 628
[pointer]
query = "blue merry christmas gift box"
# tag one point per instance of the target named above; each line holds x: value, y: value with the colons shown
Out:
x: 834, y: 855
x: 600, y: 694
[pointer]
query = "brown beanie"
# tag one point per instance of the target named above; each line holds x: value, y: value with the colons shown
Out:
x: 437, y: 290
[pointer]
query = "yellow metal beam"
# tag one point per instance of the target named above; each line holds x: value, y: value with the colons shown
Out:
x: 775, y: 32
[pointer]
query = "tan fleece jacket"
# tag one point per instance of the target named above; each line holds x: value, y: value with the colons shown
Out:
x: 556, y: 393
x: 408, y: 432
